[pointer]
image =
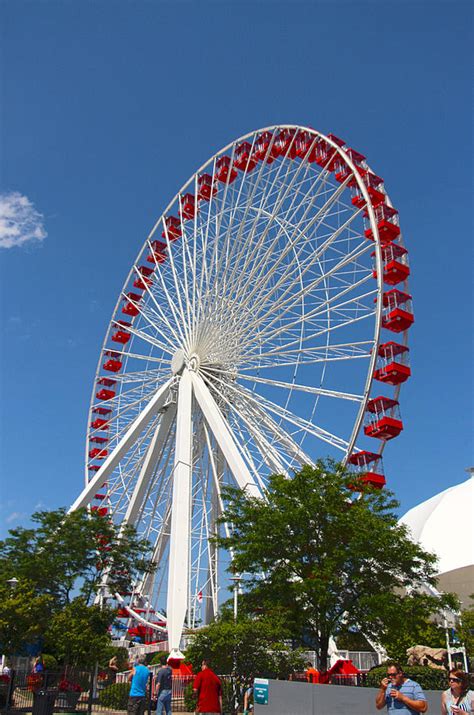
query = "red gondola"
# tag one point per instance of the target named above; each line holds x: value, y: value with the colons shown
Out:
x: 305, y: 146
x: 392, y: 364
x: 395, y: 264
x: 387, y: 224
x: 157, y: 255
x: 130, y: 307
x: 144, y: 279
x: 285, y: 144
x: 225, y: 172
x: 368, y: 467
x: 243, y: 160
x: 112, y: 365
x: 107, y: 381
x: 261, y: 146
x: 373, y: 184
x: 105, y: 394
x: 172, y: 228
x: 326, y: 156
x: 207, y: 187
x: 382, y: 418
x: 99, y: 423
x: 343, y: 171
x: 97, y: 453
x: 188, y: 206
x: 101, y: 510
x: 397, y: 314
x: 121, y: 337
x: 99, y: 440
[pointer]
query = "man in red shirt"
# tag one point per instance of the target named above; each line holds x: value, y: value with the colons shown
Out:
x: 207, y: 687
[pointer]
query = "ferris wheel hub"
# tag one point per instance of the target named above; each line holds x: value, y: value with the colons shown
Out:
x: 194, y: 362
x: 178, y: 362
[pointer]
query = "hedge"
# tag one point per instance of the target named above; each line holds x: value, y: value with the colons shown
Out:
x: 115, y: 696
x: 428, y: 678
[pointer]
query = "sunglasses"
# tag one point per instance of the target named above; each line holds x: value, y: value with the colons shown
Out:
x: 454, y: 680
x: 392, y: 675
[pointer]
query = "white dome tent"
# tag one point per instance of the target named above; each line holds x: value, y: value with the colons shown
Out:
x: 444, y: 525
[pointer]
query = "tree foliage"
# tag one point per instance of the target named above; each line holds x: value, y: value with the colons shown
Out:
x: 428, y: 678
x: 329, y: 560
x: 78, y: 633
x: 408, y: 624
x: 249, y: 646
x: 60, y: 563
x: 246, y: 648
x: 465, y: 630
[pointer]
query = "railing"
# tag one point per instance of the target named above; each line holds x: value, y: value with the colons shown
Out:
x: 362, y: 659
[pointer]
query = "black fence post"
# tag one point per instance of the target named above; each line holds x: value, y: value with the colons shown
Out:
x: 150, y: 687
x: 91, y: 692
x: 11, y: 687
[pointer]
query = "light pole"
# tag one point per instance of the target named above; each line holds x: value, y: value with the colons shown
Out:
x: 236, y: 579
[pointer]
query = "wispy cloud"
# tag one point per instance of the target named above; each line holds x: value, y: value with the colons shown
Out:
x: 15, y: 516
x: 20, y: 222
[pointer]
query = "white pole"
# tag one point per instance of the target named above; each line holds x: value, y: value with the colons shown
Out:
x: 178, y: 574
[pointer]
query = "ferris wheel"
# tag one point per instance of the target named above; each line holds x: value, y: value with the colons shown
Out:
x: 245, y: 341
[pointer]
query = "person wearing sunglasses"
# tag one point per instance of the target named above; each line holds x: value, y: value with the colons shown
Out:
x: 399, y: 694
x: 457, y: 699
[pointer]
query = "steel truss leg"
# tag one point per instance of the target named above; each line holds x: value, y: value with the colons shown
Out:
x: 178, y: 574
x: 154, y: 406
x: 223, y: 437
x: 149, y: 464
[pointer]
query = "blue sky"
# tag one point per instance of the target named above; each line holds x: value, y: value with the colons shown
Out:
x: 108, y: 107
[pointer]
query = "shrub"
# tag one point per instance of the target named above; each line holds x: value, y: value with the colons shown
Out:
x: 190, y: 698
x: 115, y: 696
x: 157, y: 656
x: 428, y: 678
x: 50, y: 662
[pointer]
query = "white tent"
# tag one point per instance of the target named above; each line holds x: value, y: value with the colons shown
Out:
x: 444, y: 525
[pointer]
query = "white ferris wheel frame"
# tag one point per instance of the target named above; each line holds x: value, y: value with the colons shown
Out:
x: 187, y: 385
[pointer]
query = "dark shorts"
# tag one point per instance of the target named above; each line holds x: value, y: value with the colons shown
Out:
x: 136, y: 704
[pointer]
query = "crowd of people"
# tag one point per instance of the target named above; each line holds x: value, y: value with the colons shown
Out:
x: 398, y: 694
x: 207, y: 688
x: 401, y: 695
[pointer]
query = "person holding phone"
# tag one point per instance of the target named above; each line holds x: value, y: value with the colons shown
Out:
x: 399, y: 694
x: 457, y: 699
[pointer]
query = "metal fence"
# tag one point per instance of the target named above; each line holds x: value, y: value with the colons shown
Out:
x: 79, y: 691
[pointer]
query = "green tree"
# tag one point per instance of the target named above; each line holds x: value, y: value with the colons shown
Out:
x: 23, y: 615
x: 329, y: 560
x: 60, y: 563
x: 465, y: 630
x: 245, y: 648
x: 408, y: 625
x: 78, y: 633
x: 69, y: 553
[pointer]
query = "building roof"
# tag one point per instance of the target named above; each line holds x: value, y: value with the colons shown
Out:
x: 444, y: 525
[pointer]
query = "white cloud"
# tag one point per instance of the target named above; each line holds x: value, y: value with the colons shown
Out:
x: 20, y: 222
x: 15, y: 516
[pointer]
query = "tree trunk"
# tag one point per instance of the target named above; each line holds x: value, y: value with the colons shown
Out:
x: 323, y: 645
